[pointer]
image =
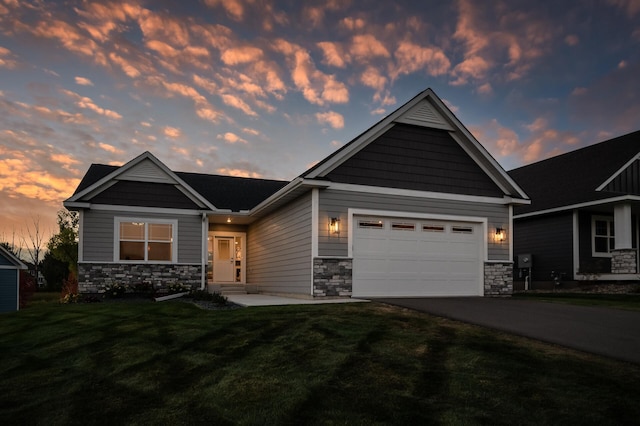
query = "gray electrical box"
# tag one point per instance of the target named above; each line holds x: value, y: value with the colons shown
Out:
x: 525, y: 261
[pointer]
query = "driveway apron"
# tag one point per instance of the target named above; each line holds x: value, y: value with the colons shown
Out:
x: 609, y: 332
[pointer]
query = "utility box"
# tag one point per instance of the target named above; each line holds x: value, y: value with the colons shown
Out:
x: 525, y: 261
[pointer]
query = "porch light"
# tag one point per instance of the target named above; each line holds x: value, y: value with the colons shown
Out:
x: 500, y: 235
x: 228, y: 220
x: 334, y: 226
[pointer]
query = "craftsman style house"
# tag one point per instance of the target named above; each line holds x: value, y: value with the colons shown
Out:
x: 414, y: 206
x: 582, y: 223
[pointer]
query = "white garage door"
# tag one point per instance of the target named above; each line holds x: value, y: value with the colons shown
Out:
x: 397, y: 257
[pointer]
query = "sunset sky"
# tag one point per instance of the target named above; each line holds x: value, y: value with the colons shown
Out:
x: 265, y: 88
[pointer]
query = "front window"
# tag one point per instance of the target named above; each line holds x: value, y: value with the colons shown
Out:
x: 603, y: 236
x: 145, y: 240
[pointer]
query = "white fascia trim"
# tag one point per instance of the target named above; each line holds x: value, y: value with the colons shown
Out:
x: 204, y: 248
x: 291, y: 186
x: 481, y: 149
x: 151, y: 210
x: 480, y: 164
x: 617, y: 173
x: 351, y: 149
x: 511, y: 233
x: 10, y: 267
x: 580, y: 205
x: 424, y: 194
x: 76, y: 205
x: 421, y: 216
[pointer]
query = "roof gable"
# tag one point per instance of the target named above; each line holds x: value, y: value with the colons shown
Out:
x: 9, y: 259
x: 417, y: 158
x: 581, y: 176
x: 626, y: 180
x: 428, y: 111
x: 144, y: 168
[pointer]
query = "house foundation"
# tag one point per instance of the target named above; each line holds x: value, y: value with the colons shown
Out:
x: 498, y: 278
x: 95, y: 277
x: 332, y: 277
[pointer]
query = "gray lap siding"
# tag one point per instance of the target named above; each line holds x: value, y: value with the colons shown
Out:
x: 279, y: 250
x: 98, y: 234
x: 334, y: 203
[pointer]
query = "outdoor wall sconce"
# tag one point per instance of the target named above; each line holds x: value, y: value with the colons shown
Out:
x: 334, y: 226
x: 500, y: 235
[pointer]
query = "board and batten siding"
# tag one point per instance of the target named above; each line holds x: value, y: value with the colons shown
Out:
x: 549, y: 239
x: 418, y: 158
x: 279, y: 249
x: 333, y: 203
x: 98, y: 229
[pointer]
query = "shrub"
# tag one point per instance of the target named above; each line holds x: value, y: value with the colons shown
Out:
x: 69, y: 293
x: 115, y: 290
x: 174, y: 288
x: 143, y: 288
x: 203, y: 295
x: 27, y: 288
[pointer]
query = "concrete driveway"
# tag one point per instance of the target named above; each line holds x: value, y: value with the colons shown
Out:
x: 612, y: 333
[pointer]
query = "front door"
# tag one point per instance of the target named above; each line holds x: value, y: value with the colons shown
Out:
x: 224, y: 260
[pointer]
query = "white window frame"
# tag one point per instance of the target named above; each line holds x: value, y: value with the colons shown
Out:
x: 610, y: 226
x: 174, y: 238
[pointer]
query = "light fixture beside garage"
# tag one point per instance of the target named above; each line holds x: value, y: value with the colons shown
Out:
x: 500, y: 235
x: 334, y: 226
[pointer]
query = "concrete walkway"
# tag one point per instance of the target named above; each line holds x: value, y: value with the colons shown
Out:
x: 609, y: 332
x: 270, y: 300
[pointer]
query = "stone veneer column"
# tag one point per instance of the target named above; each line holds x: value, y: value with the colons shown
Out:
x: 498, y: 278
x: 624, y: 261
x: 95, y: 277
x: 332, y: 277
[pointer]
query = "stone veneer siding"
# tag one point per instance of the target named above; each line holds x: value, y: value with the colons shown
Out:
x: 332, y: 277
x: 95, y: 277
x: 498, y: 279
x: 623, y: 261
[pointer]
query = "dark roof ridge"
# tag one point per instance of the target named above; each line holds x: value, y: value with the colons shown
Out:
x: 579, y: 150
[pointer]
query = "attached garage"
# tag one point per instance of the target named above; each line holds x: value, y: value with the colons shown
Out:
x: 412, y: 257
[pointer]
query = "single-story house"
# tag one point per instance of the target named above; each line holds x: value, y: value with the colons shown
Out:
x: 414, y: 206
x: 10, y: 267
x: 582, y: 223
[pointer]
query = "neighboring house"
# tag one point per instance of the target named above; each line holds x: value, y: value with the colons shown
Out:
x: 582, y: 222
x: 414, y: 206
x: 10, y: 267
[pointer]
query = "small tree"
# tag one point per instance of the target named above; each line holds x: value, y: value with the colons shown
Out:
x: 35, y: 244
x: 54, y: 271
x: 64, y: 245
x: 27, y: 288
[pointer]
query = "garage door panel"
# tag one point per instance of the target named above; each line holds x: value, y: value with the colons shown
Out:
x: 404, y: 258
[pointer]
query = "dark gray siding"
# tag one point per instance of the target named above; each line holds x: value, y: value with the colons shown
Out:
x: 279, y: 249
x: 334, y: 203
x: 8, y: 289
x: 550, y: 240
x: 98, y: 229
x: 4, y: 261
x: 413, y: 157
x: 144, y: 194
x: 627, y: 182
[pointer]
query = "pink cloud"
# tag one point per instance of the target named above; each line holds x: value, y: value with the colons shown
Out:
x: 172, y: 132
x: 371, y: 77
x: 6, y: 59
x: 334, y: 54
x: 367, y: 47
x: 353, y: 23
x: 238, y: 103
x: 231, y: 138
x: 241, y: 55
x: 572, y: 40
x: 331, y: 118
x: 411, y: 57
x: 82, y: 81
x: 234, y: 8
x: 630, y: 7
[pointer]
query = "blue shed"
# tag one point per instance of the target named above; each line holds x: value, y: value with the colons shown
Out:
x: 10, y: 267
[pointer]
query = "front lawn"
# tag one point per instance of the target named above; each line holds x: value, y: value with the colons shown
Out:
x: 361, y: 363
x: 617, y: 301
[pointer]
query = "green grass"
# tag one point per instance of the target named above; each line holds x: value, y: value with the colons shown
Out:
x: 617, y: 301
x: 363, y: 363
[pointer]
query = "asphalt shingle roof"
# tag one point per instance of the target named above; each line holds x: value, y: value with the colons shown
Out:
x: 572, y: 178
